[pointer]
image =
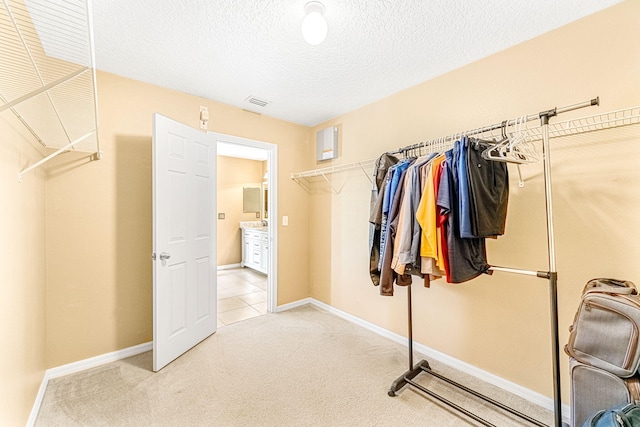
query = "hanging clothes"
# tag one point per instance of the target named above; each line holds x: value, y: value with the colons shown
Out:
x: 429, y: 216
x: 387, y: 275
x: 430, y: 248
x: 462, y: 180
x: 392, y: 185
x: 382, y: 165
x: 406, y: 252
x: 467, y: 257
x: 488, y: 192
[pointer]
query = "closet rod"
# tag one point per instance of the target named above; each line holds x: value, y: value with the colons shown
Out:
x: 549, y: 113
x: 602, y: 121
x: 551, y: 275
x: 54, y: 154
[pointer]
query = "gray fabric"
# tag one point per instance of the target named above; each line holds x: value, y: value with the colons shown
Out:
x: 375, y: 215
x: 594, y: 389
x: 381, y: 168
x: 605, y: 333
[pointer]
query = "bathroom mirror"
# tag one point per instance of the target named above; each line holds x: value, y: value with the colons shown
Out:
x: 251, y: 199
x: 265, y: 200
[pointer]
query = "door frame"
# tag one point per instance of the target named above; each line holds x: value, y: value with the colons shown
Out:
x: 272, y: 200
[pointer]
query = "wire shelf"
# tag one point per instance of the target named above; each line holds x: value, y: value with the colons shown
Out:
x: 593, y: 123
x: 47, y: 72
x: 597, y: 122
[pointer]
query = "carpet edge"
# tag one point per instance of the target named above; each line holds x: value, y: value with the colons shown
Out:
x: 509, y: 386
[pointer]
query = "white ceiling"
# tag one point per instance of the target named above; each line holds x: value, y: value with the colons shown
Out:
x: 228, y: 50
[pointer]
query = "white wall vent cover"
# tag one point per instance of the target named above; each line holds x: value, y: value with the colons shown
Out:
x: 257, y: 101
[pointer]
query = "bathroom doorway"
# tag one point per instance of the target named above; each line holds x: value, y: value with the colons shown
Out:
x: 247, y: 238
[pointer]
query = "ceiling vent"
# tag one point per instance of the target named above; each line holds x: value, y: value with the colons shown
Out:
x: 257, y: 101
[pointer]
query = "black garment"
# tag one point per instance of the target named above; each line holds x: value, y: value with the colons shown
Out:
x: 488, y: 191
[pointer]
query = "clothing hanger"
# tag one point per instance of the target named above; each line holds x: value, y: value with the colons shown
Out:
x: 495, y: 152
x: 514, y: 147
x: 520, y: 149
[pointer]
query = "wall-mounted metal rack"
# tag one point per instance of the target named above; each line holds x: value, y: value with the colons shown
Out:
x: 601, y: 121
x: 302, y: 177
x: 47, y: 74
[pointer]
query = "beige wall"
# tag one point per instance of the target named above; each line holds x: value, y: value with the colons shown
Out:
x: 501, y: 323
x: 233, y: 175
x: 22, y: 269
x: 99, y: 219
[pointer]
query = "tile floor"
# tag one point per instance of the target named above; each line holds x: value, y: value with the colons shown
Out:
x: 242, y: 294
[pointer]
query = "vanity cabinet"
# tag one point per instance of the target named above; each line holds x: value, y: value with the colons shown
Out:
x: 255, y: 249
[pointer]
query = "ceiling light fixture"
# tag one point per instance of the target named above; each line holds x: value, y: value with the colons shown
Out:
x: 314, y: 25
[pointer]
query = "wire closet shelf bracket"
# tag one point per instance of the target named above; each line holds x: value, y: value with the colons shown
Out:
x: 48, y: 77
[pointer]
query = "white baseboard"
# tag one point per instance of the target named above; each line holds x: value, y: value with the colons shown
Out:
x: 296, y: 304
x: 81, y: 365
x: 92, y: 362
x: 38, y: 402
x: 511, y: 387
x: 228, y: 266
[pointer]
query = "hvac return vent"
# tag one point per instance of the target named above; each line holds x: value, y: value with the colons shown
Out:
x: 257, y: 101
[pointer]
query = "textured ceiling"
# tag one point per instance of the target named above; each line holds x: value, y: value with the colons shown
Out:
x: 228, y: 50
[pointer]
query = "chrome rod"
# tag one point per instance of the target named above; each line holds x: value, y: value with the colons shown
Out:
x: 515, y: 271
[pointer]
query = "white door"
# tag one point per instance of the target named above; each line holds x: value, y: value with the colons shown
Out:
x: 184, y: 239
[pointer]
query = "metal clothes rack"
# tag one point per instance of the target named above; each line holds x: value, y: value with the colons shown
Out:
x: 544, y: 132
x: 407, y: 378
x: 47, y: 75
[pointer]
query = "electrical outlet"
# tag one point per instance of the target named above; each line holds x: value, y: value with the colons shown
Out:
x: 221, y: 216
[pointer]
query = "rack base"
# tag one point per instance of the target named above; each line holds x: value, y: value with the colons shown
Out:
x: 424, y: 367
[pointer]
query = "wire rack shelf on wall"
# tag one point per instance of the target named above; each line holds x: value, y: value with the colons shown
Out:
x: 47, y: 74
x: 596, y: 122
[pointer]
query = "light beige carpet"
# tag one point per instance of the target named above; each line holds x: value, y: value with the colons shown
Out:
x: 302, y: 367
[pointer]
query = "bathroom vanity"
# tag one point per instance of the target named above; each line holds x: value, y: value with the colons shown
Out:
x: 255, y: 247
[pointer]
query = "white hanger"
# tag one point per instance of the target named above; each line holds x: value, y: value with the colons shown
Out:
x: 514, y: 147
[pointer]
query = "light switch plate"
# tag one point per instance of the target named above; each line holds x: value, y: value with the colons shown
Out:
x: 204, y: 117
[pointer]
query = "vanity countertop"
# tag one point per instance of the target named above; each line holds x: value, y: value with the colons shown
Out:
x: 254, y: 225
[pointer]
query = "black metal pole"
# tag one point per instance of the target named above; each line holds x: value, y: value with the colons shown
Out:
x: 553, y: 299
x: 410, y: 328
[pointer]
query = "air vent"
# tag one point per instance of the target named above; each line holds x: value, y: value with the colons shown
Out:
x: 257, y: 101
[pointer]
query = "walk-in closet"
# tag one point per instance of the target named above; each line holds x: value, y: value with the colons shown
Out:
x: 442, y: 181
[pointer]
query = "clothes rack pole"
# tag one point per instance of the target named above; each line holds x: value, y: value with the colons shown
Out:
x: 553, y: 275
x: 550, y: 275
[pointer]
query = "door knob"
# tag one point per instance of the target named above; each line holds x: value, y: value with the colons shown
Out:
x: 164, y: 256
